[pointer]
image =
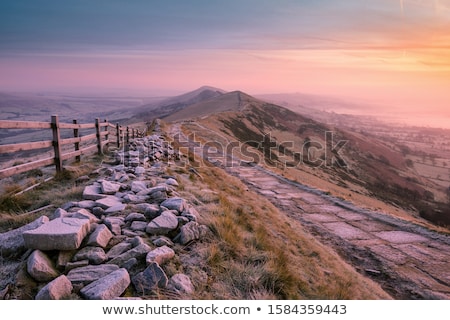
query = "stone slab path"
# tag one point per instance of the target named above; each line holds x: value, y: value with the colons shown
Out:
x: 408, y: 260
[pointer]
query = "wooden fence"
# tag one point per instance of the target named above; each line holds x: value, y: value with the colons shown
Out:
x: 81, y: 144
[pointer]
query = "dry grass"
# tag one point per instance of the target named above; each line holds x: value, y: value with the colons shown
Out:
x: 14, y: 209
x: 255, y: 252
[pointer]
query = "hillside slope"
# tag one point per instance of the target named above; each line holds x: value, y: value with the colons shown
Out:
x: 171, y: 105
x: 292, y: 143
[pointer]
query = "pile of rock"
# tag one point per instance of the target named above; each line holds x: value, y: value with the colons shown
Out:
x: 148, y: 149
x: 117, y: 239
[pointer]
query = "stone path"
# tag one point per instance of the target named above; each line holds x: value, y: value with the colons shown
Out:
x: 408, y: 260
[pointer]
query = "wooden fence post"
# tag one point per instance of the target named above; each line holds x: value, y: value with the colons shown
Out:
x: 76, y: 134
x: 107, y: 135
x: 56, y: 144
x: 128, y: 135
x: 99, y: 137
x: 118, y: 135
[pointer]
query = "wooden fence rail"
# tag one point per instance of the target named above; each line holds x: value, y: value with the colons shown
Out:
x: 103, y: 132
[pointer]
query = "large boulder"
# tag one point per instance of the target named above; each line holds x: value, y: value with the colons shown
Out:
x: 138, y: 252
x: 190, y: 232
x: 178, y: 204
x: 59, y: 288
x: 40, y: 267
x: 163, y: 224
x: 93, y: 192
x: 95, y: 255
x: 109, y: 287
x: 109, y: 187
x: 58, y: 234
x: 151, y: 278
x: 100, y: 237
x: 109, y: 202
x: 88, y: 274
x: 160, y: 255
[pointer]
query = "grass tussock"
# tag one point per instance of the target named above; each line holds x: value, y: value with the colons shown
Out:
x: 15, y: 208
x: 255, y: 252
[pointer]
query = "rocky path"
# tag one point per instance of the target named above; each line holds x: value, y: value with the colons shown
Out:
x: 120, y: 240
x: 408, y: 260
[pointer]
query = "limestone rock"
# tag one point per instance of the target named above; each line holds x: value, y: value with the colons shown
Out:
x: 151, y: 211
x: 162, y: 241
x: 95, y: 255
x: 108, y: 202
x: 163, y: 224
x: 116, y: 208
x: 57, y: 289
x: 58, y: 234
x: 151, y: 278
x: 88, y: 274
x: 83, y: 214
x: 108, y: 187
x: 86, y: 204
x: 40, y: 267
x: 160, y: 255
x: 114, y: 224
x: 137, y: 186
x: 100, y: 237
x: 93, y: 192
x: 175, y: 203
x: 138, y: 225
x: 64, y: 257
x: 118, y: 249
x: 109, y: 287
x: 138, y: 252
x: 134, y: 216
x: 189, y: 232
x: 76, y: 264
x: 12, y: 243
x: 191, y: 213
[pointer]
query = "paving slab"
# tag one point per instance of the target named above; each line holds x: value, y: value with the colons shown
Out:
x: 322, y: 217
x: 398, y: 236
x: 329, y: 209
x: 367, y: 243
x: 346, y: 231
x: 350, y: 216
x: 371, y: 225
x: 422, y: 253
x: 390, y: 254
x: 311, y: 198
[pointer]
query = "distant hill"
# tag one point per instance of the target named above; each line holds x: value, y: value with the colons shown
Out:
x: 39, y: 107
x: 231, y: 101
x: 171, y: 105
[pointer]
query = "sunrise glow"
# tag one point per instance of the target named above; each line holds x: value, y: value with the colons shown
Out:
x: 395, y: 52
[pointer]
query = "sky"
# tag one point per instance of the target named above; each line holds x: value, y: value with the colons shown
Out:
x: 395, y: 52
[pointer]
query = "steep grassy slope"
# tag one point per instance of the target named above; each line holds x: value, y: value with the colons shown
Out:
x: 294, y: 144
x: 172, y: 105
